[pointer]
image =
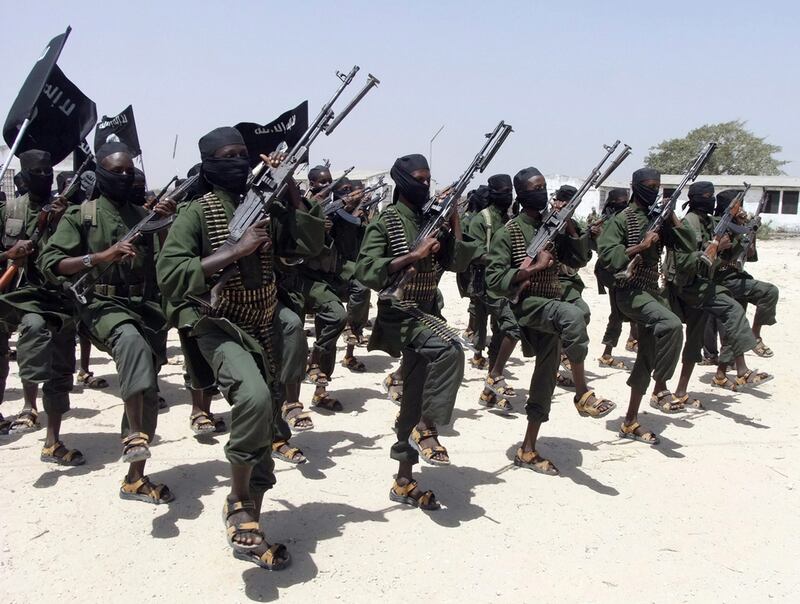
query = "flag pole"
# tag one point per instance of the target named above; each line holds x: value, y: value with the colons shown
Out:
x: 13, y: 150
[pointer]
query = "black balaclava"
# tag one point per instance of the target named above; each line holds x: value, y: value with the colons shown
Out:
x: 316, y: 174
x: 117, y: 187
x: 701, y: 196
x: 645, y: 195
x: 616, y: 201
x: 500, y: 191
x: 478, y: 199
x: 565, y: 193
x: 529, y: 200
x: 415, y: 192
x: 228, y: 173
x: 19, y: 183
x: 138, y: 196
x: 199, y: 188
x: 40, y: 182
x: 724, y: 199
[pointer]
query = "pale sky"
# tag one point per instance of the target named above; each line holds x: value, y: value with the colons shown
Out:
x: 568, y: 75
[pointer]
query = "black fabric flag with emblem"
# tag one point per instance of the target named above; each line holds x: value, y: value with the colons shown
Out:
x: 61, y: 115
x: 288, y: 127
x: 120, y: 128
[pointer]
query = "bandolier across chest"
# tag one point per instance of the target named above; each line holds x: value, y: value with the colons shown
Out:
x: 544, y: 284
x: 645, y: 276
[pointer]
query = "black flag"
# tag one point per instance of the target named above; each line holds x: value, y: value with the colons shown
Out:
x: 61, y: 115
x: 80, y: 154
x: 122, y: 126
x: 288, y: 127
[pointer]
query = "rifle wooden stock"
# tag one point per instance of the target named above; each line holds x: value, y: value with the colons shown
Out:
x: 8, y: 276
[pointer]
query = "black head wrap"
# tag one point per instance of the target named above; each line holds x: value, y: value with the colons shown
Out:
x: 115, y: 186
x: 701, y: 196
x: 138, y: 194
x: 617, y: 195
x: 19, y: 182
x: 724, y: 199
x: 410, y: 188
x: 228, y: 173
x: 533, y: 200
x: 36, y: 168
x: 478, y: 199
x: 565, y: 193
x: 500, y: 191
x: 642, y: 193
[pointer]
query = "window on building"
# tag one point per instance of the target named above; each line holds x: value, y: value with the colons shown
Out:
x: 773, y: 202
x: 789, y: 205
x: 668, y: 192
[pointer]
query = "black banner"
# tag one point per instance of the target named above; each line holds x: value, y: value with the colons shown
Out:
x: 32, y: 88
x: 122, y: 126
x: 288, y: 127
x: 80, y: 154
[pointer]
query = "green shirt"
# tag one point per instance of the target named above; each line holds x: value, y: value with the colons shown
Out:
x: 500, y: 270
x: 394, y: 328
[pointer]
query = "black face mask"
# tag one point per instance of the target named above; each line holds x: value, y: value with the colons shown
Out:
x: 702, y: 203
x: 502, y: 199
x: 414, y: 191
x: 117, y: 187
x: 647, y: 195
x: 227, y: 173
x: 533, y: 200
x: 137, y: 196
x: 39, y: 185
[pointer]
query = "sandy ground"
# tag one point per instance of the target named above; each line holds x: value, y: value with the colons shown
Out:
x: 709, y: 515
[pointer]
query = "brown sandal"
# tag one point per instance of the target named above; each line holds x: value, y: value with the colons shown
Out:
x: 499, y: 386
x: 402, y: 494
x: 393, y: 388
x: 596, y: 407
x: 490, y: 400
x: 291, y: 455
x: 762, y: 349
x: 533, y: 461
x: 58, y: 453
x: 26, y: 421
x: 303, y: 417
x: 665, y: 402
x: 611, y: 362
x: 243, y: 528
x: 752, y: 378
x: 153, y: 493
x: 353, y: 364
x: 632, y: 345
x: 629, y: 431
x: 201, y: 423
x: 694, y: 403
x: 314, y: 375
x: 565, y: 381
x: 135, y: 447
x: 275, y: 556
x: 429, y: 453
x: 725, y: 383
x: 480, y: 362
x: 324, y: 401
x: 88, y: 379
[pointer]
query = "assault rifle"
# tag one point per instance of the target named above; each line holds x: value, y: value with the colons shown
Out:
x: 662, y: 209
x: 269, y: 184
x: 437, y: 210
x: 749, y: 237
x: 555, y: 221
x: 726, y: 223
x: 367, y: 200
x: 149, y: 224
x: 42, y: 224
x: 329, y: 188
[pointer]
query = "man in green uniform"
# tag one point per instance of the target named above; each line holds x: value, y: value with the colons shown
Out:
x: 471, y: 285
x: 546, y: 321
x: 38, y: 310
x: 697, y: 297
x: 122, y: 317
x: 616, y: 202
x: 505, y: 331
x: 235, y: 336
x: 625, y: 237
x: 433, y: 361
x: 742, y: 285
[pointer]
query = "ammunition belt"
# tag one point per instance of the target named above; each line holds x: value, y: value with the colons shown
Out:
x: 544, y: 284
x: 120, y: 291
x: 421, y: 288
x: 436, y: 324
x: 645, y: 277
x: 252, y: 310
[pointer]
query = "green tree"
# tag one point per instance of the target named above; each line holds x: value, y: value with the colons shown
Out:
x: 739, y: 152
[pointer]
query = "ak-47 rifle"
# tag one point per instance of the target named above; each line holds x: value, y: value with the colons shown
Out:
x: 42, y: 224
x: 662, y: 209
x: 373, y: 196
x: 727, y: 223
x: 329, y: 188
x: 336, y: 206
x: 269, y: 184
x: 437, y: 211
x: 555, y: 221
x: 149, y: 224
x: 749, y: 237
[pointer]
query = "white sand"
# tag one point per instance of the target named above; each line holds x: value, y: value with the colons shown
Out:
x: 710, y: 515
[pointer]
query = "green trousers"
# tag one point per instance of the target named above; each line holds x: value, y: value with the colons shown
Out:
x: 432, y: 371
x: 480, y: 318
x: 4, y: 360
x: 357, y: 306
x: 47, y: 356
x: 241, y: 381
x: 137, y: 367
x: 761, y: 294
x: 573, y: 296
x: 563, y: 319
x: 504, y: 324
x: 291, y: 349
x: 547, y: 348
x: 660, y: 334
x: 614, y: 324
x: 737, y: 337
